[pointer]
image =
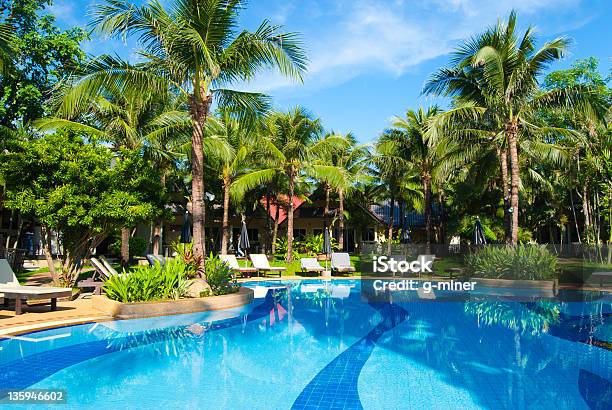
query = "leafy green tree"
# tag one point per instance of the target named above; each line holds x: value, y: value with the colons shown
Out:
x: 82, y: 191
x: 196, y: 47
x: 229, y: 163
x: 497, y: 72
x: 424, y: 153
x: 342, y: 165
x: 36, y: 55
x: 288, y: 145
x: 129, y: 123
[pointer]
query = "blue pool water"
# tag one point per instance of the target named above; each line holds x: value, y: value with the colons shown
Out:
x: 330, y: 345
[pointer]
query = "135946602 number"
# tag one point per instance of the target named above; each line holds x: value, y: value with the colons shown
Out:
x: 33, y: 396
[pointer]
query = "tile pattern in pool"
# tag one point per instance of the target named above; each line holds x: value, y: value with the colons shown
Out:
x: 314, y: 348
x: 335, y: 387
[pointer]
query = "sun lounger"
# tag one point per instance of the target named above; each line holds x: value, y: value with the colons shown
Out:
x: 311, y: 265
x: 107, y: 265
x: 153, y: 259
x: 425, y: 258
x: 232, y: 262
x: 260, y: 262
x: 341, y: 263
x: 11, y: 289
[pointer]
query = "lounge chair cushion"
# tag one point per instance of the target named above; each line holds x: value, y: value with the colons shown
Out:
x: 341, y: 262
x: 311, y: 265
x: 7, y: 276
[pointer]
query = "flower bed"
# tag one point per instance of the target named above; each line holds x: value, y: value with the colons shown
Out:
x: 119, y: 310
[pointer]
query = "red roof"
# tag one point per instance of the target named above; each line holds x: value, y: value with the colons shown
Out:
x: 282, y: 213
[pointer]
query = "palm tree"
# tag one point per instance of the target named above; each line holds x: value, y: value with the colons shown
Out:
x: 344, y: 165
x: 194, y: 47
x: 129, y: 122
x: 231, y: 163
x: 390, y: 169
x: 415, y: 145
x: 496, y: 73
x: 288, y: 146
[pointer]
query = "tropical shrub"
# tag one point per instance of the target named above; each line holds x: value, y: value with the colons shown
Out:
x: 312, y: 245
x: 184, y: 251
x: 512, y: 262
x: 148, y: 283
x: 220, y: 277
x: 138, y: 246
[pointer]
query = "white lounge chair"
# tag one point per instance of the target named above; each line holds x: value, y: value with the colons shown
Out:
x: 260, y: 262
x: 107, y: 265
x: 11, y: 289
x: 311, y: 265
x: 425, y: 258
x: 232, y: 262
x: 341, y: 263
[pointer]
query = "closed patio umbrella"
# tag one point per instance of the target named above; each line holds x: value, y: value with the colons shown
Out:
x: 186, y: 229
x: 243, y: 241
x: 479, y: 235
x: 327, y: 250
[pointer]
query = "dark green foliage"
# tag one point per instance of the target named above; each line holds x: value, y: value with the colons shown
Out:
x: 148, y: 283
x: 220, y: 277
x: 42, y: 55
x: 81, y: 190
x: 532, y: 262
x: 138, y: 246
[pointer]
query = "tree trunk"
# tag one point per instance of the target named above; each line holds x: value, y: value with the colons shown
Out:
x: 341, y: 219
x: 585, y: 212
x: 225, y: 227
x: 575, y: 218
x: 290, y: 216
x: 503, y: 160
x: 512, y: 132
x: 390, y: 227
x: 199, y: 107
x: 327, y: 190
x: 427, y: 192
x: 268, y: 222
x: 46, y: 234
x: 275, y: 229
x: 159, y: 226
x: 125, y: 247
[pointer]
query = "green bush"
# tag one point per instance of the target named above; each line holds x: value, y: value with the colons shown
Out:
x: 220, y: 277
x: 533, y: 262
x: 312, y: 245
x: 148, y: 283
x: 138, y: 246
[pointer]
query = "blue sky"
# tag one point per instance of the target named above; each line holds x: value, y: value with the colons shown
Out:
x: 370, y: 58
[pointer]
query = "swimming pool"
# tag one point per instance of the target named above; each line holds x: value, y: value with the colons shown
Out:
x: 328, y: 344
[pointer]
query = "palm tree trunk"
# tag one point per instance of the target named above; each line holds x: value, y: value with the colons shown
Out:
x: 275, y: 230
x: 585, y: 211
x: 341, y: 219
x: 327, y: 190
x: 268, y: 222
x: 512, y: 132
x: 125, y: 247
x: 427, y: 192
x: 159, y: 227
x: 390, y: 227
x: 575, y: 219
x: 290, y: 216
x: 225, y: 227
x: 200, y: 106
x: 503, y: 161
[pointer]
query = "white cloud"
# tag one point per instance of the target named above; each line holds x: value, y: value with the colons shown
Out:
x: 351, y: 37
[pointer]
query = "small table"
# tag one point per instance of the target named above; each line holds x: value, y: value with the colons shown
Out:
x: 23, y: 295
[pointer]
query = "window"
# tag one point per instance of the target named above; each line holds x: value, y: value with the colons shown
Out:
x: 367, y: 235
x: 299, y: 234
x: 317, y: 232
x: 253, y: 234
